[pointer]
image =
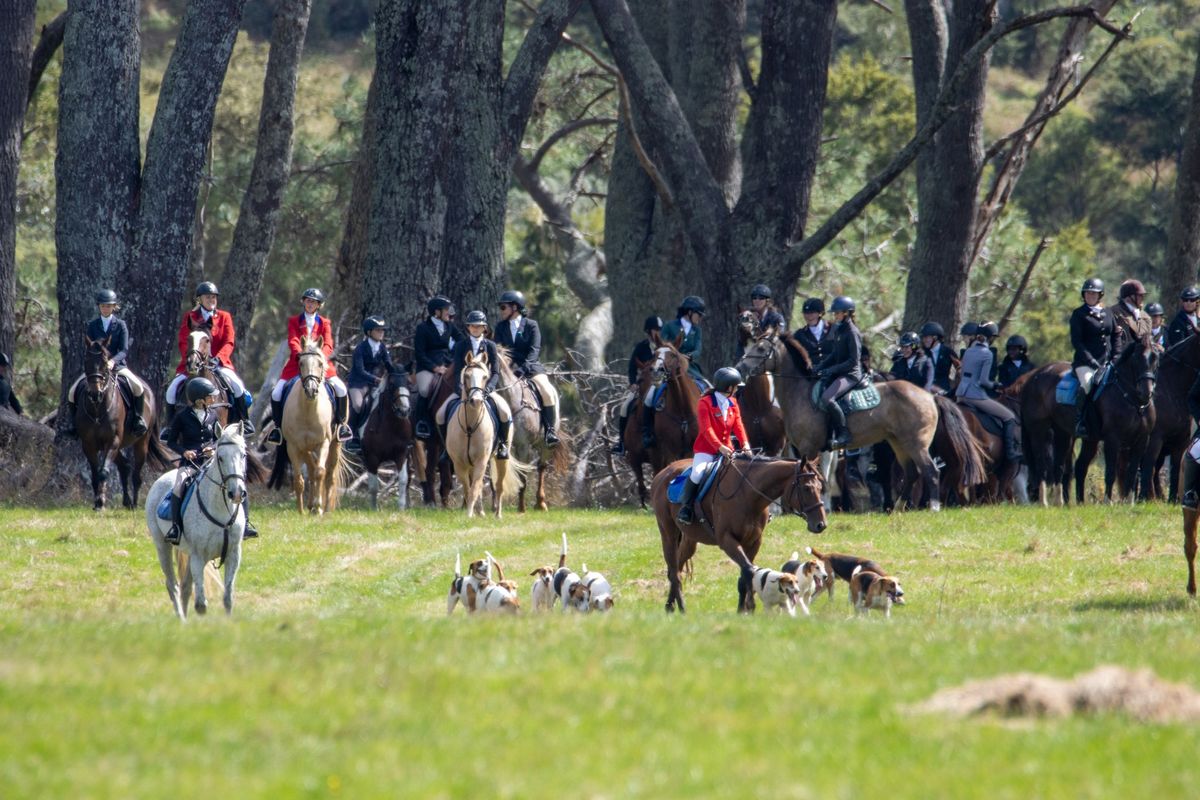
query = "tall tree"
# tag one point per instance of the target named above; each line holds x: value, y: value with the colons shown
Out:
x: 1183, y: 238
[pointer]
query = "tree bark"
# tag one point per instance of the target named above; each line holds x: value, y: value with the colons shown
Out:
x: 259, y: 215
x: 48, y: 44
x: 1183, y: 237
x: 350, y: 267
x: 155, y: 285
x: 16, y: 40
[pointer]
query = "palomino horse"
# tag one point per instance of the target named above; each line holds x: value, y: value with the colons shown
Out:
x: 198, y: 361
x: 675, y: 422
x: 737, y: 510
x: 529, y: 439
x: 309, y: 440
x: 213, y: 522
x: 471, y: 439
x: 100, y: 415
x: 1177, y: 371
x: 388, y: 435
x: 762, y: 418
x: 906, y: 415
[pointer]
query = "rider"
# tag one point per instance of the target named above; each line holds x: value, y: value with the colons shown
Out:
x: 973, y: 386
x: 433, y: 345
x: 719, y: 421
x: 109, y: 326
x: 689, y: 315
x: 523, y: 338
x: 1158, y: 331
x: 7, y: 398
x: 910, y: 362
x: 841, y: 369
x: 193, y: 433
x: 1016, y: 361
x: 1187, y: 321
x: 933, y: 337
x: 369, y: 356
x: 1091, y: 336
x: 766, y: 313
x: 476, y: 343
x: 642, y: 353
x: 1130, y: 322
x: 813, y: 335
x: 311, y: 324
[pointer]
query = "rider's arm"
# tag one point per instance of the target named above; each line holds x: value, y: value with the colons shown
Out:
x: 534, y: 334
x: 121, y: 345
x: 358, y: 367
x: 225, y: 354
x: 295, y: 331
x: 739, y: 429
x: 704, y: 418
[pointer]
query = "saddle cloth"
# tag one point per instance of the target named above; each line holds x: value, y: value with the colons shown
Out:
x: 863, y: 397
x: 675, y: 488
x: 990, y: 424
x: 454, y: 403
x: 656, y: 401
x: 1067, y: 390
x: 164, y: 505
x: 287, y: 389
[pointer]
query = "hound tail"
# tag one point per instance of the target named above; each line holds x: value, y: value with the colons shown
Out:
x: 457, y: 565
x: 491, y: 559
x: 796, y: 554
x: 857, y: 570
x: 562, y: 554
x: 585, y: 569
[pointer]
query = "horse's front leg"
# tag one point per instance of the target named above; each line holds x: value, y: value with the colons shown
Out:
x: 1190, y: 518
x: 402, y: 476
x: 1112, y: 452
x: 1087, y: 451
x: 168, y: 569
x: 123, y: 469
x: 99, y: 467
x: 498, y: 487
x: 232, y: 560
x: 753, y: 539
x: 373, y: 490
x: 298, y: 488
x: 541, y: 485
x: 196, y: 563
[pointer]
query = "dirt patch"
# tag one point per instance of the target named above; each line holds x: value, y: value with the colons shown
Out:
x: 1139, y: 694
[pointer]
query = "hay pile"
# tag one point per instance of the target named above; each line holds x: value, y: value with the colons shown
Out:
x: 1139, y: 694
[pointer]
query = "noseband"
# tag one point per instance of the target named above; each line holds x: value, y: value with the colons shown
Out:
x: 795, y: 487
x: 224, y: 479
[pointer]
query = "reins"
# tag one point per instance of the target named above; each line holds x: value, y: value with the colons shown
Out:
x: 225, y: 478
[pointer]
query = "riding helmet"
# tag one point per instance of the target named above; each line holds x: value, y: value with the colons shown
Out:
x: 1093, y: 285
x: 436, y: 304
x: 727, y: 379
x: 969, y: 329
x: 313, y: 294
x: 106, y: 296
x: 813, y: 305
x: 199, y: 388
x: 4, y: 361
x: 476, y: 318
x: 909, y: 339
x: 987, y: 329
x: 1016, y: 340
x: 761, y: 290
x: 1130, y: 288
x: 652, y: 324
x: 933, y: 329
x: 1156, y: 310
x: 371, y: 323
x: 514, y: 297
x: 842, y: 303
x: 207, y: 287
x: 691, y: 303
x: 1190, y: 293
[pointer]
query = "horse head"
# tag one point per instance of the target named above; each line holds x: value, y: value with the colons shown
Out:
x: 95, y: 366
x: 761, y: 355
x: 669, y: 364
x: 400, y: 394
x: 475, y: 374
x: 229, y: 463
x: 803, y: 495
x: 199, y: 349
x: 311, y: 362
x: 747, y: 326
x: 1137, y: 370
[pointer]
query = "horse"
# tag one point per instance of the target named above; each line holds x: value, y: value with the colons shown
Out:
x: 996, y: 484
x: 960, y: 477
x: 427, y: 455
x: 762, y: 417
x: 387, y: 435
x: 736, y: 508
x: 1190, y: 518
x: 1048, y: 429
x: 675, y: 422
x: 198, y: 362
x: 906, y: 416
x: 100, y: 415
x: 635, y: 454
x: 213, y: 522
x: 1178, y: 369
x: 529, y: 440
x: 309, y: 441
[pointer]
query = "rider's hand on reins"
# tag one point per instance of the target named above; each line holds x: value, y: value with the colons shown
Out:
x: 725, y: 450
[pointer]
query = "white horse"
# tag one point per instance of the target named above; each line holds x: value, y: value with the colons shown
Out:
x: 213, y: 523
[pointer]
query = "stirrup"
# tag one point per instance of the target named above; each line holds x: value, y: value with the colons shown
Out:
x: 275, y: 437
x: 618, y: 449
x: 173, y: 535
x: 686, y: 515
x: 249, y: 531
x: 502, y: 451
x: 423, y: 431
x: 139, y: 424
x: 344, y: 434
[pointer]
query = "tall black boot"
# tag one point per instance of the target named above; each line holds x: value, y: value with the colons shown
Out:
x: 421, y: 414
x: 618, y: 449
x: 250, y: 531
x: 276, y: 434
x: 548, y: 414
x: 502, y: 433
x: 69, y: 428
x: 442, y: 433
x: 648, y: 438
x: 1191, y: 483
x: 840, y: 434
x: 341, y: 412
x: 242, y: 406
x: 687, y: 514
x: 1083, y: 400
x: 176, y: 531
x: 1012, y: 442
x: 136, y: 414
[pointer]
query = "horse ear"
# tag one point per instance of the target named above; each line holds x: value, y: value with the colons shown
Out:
x: 87, y: 341
x: 483, y: 357
x: 218, y: 429
x: 107, y: 339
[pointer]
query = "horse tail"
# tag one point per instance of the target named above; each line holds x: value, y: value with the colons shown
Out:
x: 341, y: 471
x: 279, y: 472
x: 256, y: 470
x: 560, y: 455
x: 157, y: 454
x: 516, y: 468
x: 966, y: 447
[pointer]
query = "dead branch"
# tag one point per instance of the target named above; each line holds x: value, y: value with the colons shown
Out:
x: 1012, y: 306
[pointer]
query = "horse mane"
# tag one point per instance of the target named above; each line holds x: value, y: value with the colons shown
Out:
x: 800, y: 357
x: 1015, y: 388
x: 256, y: 471
x: 505, y: 365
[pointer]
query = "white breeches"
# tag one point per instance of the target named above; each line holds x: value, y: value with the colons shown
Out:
x: 425, y: 381
x: 545, y: 389
x: 698, y: 462
x: 339, y: 388
x: 502, y: 409
x: 236, y: 386
x: 1085, y: 374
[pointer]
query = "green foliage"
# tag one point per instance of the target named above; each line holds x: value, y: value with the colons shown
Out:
x: 1142, y: 100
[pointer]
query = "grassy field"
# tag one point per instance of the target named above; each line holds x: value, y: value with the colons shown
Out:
x: 340, y: 674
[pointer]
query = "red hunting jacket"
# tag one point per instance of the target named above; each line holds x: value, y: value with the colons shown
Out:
x: 716, y: 430
x: 220, y: 330
x: 321, y: 329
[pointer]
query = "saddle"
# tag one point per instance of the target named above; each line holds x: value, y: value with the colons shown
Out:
x: 862, y: 397
x: 990, y: 424
x: 675, y: 488
x: 452, y: 408
x: 1067, y: 390
x: 287, y: 389
x: 164, y: 506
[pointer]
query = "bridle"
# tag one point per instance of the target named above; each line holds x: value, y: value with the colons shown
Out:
x: 103, y: 378
x: 194, y: 358
x: 468, y: 394
x: 801, y: 472
x: 1126, y: 391
x: 225, y: 498
x: 311, y: 380
x: 399, y: 408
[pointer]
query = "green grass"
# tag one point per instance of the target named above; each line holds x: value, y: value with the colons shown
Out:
x: 341, y: 675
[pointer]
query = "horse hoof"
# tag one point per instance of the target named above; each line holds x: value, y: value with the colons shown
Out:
x: 935, y: 505
x: 201, y: 609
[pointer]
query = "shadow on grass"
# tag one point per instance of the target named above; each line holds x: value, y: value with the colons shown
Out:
x: 1136, y: 604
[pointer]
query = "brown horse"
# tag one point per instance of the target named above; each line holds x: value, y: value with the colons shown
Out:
x: 997, y: 483
x: 675, y: 422
x: 762, y: 418
x: 957, y: 433
x: 388, y: 434
x: 529, y: 439
x: 1177, y: 371
x: 1048, y: 428
x: 635, y: 454
x: 1190, y: 518
x: 906, y: 416
x: 736, y: 510
x: 100, y: 417
x: 431, y: 464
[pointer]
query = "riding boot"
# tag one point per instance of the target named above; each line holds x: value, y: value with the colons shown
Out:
x: 276, y: 434
x: 1081, y: 412
x: 172, y: 536
x: 687, y: 514
x: 250, y: 532
x: 840, y: 434
x: 242, y: 406
x: 502, y: 434
x: 165, y: 433
x: 423, y: 430
x: 136, y: 418
x: 341, y: 412
x: 548, y: 414
x: 618, y: 449
x: 1191, y: 483
x: 69, y: 428
x: 1012, y: 442
x: 648, y: 438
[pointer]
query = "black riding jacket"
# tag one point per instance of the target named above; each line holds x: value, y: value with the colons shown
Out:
x: 1181, y: 327
x: 525, y: 348
x: 366, y: 363
x: 118, y: 336
x: 920, y: 372
x: 191, y: 432
x: 1091, y: 334
x: 432, y: 349
x: 844, y: 353
x: 643, y: 351
x: 460, y: 360
x: 1009, y: 372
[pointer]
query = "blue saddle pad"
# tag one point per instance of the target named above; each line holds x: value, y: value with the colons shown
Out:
x: 287, y: 389
x: 862, y: 398
x: 1065, y: 391
x: 675, y: 487
x: 164, y: 505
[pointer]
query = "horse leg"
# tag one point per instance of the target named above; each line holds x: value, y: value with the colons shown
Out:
x: 318, y: 477
x: 445, y: 483
x: 232, y: 560
x: 124, y: 471
x: 185, y: 578
x: 929, y: 477
x: 521, y: 484
x: 670, y: 548
x: 641, y: 482
x: 98, y: 466
x: 1087, y: 451
x: 541, y: 484
x: 298, y: 485
x: 1190, y: 517
x: 196, y: 563
x: 402, y: 478
x: 168, y: 568
x: 498, y: 486
x: 751, y: 550
x: 373, y: 490
x: 1112, y: 455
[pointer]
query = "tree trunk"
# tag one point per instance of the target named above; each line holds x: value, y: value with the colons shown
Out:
x: 350, y: 266
x: 1183, y: 238
x: 259, y: 215
x: 16, y: 40
x: 48, y: 44
x: 155, y: 284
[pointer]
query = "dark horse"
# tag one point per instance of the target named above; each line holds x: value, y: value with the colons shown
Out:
x: 1048, y: 428
x: 388, y: 434
x: 1177, y: 371
x: 100, y: 417
x: 429, y: 462
x: 736, y: 508
x: 675, y: 422
x: 763, y: 419
x: 636, y: 455
x: 961, y: 477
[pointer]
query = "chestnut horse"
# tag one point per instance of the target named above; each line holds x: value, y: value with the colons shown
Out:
x: 431, y: 463
x: 635, y: 454
x: 1178, y: 369
x: 736, y: 509
x: 762, y: 418
x: 388, y: 435
x: 675, y: 423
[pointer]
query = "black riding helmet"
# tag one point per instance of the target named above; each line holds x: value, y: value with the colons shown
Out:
x: 969, y: 329
x: 933, y: 329
x: 1093, y: 285
x: 313, y: 294
x: 198, y: 389
x: 1156, y: 310
x: 652, y: 324
x: 371, y: 323
x: 727, y: 379
x: 909, y: 339
x: 436, y: 304
x: 514, y: 297
x: 1190, y: 293
x: 987, y: 329
x: 842, y: 303
x: 761, y: 290
x: 813, y: 305
x: 691, y: 303
x: 206, y: 287
x: 1016, y: 341
x: 106, y: 296
x: 475, y: 318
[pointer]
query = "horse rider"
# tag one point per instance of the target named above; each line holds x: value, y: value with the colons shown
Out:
x: 967, y: 332
x: 974, y: 385
x: 910, y: 362
x: 719, y: 420
x: 1158, y: 331
x: 686, y: 327
x: 813, y: 333
x: 643, y: 353
x: 7, y: 398
x: 1091, y: 336
x: 192, y: 435
x: 523, y: 338
x: 433, y: 348
x: 841, y: 369
x: 370, y: 356
x: 933, y: 339
x: 1130, y: 322
x: 476, y: 343
x: 219, y: 324
x: 1016, y: 361
x: 311, y: 324
x: 766, y: 313
x: 1186, y: 320
x: 109, y: 326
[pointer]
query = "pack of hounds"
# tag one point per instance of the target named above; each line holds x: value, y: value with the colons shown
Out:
x: 484, y: 588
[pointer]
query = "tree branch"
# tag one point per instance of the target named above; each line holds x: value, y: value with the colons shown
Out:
x: 566, y: 130
x: 648, y: 165
x: 48, y: 44
x: 1012, y: 306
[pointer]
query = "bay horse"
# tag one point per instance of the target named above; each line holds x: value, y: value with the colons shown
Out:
x: 100, y: 416
x: 906, y: 416
x: 675, y: 423
x: 427, y: 454
x: 471, y: 440
x: 198, y: 362
x: 1190, y: 518
x: 1178, y: 369
x: 388, y: 435
x: 737, y: 509
x: 1048, y: 428
x: 529, y: 439
x: 762, y: 418
x: 636, y: 455
x: 961, y: 478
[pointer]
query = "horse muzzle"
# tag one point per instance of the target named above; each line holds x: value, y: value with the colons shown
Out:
x: 311, y: 387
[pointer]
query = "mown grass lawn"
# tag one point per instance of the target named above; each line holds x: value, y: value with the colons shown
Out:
x: 340, y: 674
